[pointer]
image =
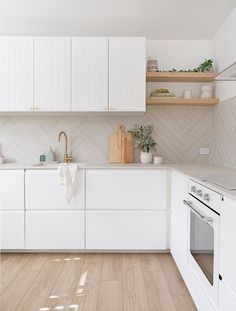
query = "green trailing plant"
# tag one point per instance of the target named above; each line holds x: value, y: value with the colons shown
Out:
x: 205, y: 66
x: 143, y: 137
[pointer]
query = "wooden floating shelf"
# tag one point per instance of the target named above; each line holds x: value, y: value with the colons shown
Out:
x: 182, y: 101
x: 204, y: 77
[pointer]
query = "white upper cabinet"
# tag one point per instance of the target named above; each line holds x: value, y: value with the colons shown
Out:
x: 127, y: 74
x: 16, y: 73
x: 52, y: 73
x: 89, y: 74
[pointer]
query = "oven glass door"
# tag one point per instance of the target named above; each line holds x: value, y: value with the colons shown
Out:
x: 202, y: 243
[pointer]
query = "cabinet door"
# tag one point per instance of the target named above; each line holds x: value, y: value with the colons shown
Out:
x: 227, y: 300
x: 43, y: 191
x: 54, y: 230
x: 227, y: 245
x: 89, y: 74
x: 126, y: 189
x: 52, y: 73
x: 127, y: 74
x: 126, y: 230
x: 11, y: 189
x: 12, y: 230
x: 16, y: 73
x: 179, y: 222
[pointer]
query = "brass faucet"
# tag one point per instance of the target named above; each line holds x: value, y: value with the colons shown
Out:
x: 66, y: 157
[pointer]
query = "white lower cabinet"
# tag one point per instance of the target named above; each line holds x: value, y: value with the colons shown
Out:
x: 43, y: 191
x: 179, y: 222
x: 12, y: 190
x: 54, y: 230
x: 12, y: 230
x: 126, y: 189
x: 227, y: 299
x: 126, y: 230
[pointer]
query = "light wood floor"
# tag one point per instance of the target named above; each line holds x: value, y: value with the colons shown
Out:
x: 92, y: 282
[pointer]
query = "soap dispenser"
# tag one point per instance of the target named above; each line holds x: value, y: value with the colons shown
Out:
x: 50, y: 155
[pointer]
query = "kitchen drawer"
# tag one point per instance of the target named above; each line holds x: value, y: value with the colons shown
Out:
x: 12, y: 230
x: 11, y: 189
x: 125, y: 189
x: 61, y: 230
x: 43, y: 191
x: 126, y: 230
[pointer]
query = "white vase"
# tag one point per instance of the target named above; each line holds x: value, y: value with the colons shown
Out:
x: 146, y: 157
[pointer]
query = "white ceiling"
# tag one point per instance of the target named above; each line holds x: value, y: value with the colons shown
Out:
x: 155, y: 19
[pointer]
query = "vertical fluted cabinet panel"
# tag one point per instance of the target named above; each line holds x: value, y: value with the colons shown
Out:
x: 52, y: 73
x: 16, y: 73
x: 89, y: 73
x: 127, y: 74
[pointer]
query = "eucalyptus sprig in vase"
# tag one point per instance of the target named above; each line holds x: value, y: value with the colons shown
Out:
x: 146, y: 144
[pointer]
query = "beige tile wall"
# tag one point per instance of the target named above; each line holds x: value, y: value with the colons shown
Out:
x: 224, y: 133
x: 180, y: 132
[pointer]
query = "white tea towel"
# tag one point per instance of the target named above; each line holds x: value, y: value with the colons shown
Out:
x: 67, y: 177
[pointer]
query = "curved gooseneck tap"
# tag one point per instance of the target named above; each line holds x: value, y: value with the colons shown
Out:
x: 67, y: 158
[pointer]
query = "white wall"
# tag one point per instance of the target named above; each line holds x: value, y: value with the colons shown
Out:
x: 224, y: 53
x: 224, y: 115
x: 179, y: 54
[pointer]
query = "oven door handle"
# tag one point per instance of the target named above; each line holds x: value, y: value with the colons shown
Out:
x: 208, y: 220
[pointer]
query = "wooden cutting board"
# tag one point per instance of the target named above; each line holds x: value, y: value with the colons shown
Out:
x: 121, y: 147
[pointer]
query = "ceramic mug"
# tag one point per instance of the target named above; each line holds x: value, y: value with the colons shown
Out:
x: 158, y: 160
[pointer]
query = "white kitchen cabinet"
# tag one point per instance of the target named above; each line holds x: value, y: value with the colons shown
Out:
x: 12, y: 230
x: 16, y: 73
x: 127, y: 74
x: 54, y: 230
x: 43, y: 191
x: 52, y: 73
x: 89, y: 73
x: 126, y: 230
x: 11, y: 189
x: 227, y: 245
x: 227, y: 299
x: 179, y: 222
x: 123, y: 189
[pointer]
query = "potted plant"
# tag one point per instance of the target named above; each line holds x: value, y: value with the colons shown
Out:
x: 145, y: 141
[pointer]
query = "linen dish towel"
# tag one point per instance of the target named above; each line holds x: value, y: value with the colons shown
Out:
x: 67, y: 176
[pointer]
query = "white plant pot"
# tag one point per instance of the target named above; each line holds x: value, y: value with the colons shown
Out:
x: 146, y: 157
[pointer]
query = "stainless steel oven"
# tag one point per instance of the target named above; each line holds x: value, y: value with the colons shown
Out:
x: 203, y: 237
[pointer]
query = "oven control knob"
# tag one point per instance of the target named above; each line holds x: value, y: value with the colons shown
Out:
x: 193, y: 189
x: 206, y: 197
x: 199, y: 192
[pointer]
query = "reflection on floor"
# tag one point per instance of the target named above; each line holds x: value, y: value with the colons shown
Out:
x: 92, y: 282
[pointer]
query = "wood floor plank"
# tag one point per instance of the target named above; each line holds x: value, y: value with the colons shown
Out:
x: 174, y: 278
x: 15, y: 292
x: 134, y: 292
x: 43, y: 284
x: 93, y: 282
x: 11, y: 268
x: 86, y: 294
x: 110, y: 296
x: 184, y: 303
x: 64, y: 289
x: 159, y: 295
x: 4, y: 257
x: 112, y: 267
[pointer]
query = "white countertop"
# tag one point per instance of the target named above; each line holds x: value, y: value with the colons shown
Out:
x: 196, y: 172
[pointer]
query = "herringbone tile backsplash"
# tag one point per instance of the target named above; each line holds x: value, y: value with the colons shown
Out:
x: 224, y: 133
x: 179, y: 131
